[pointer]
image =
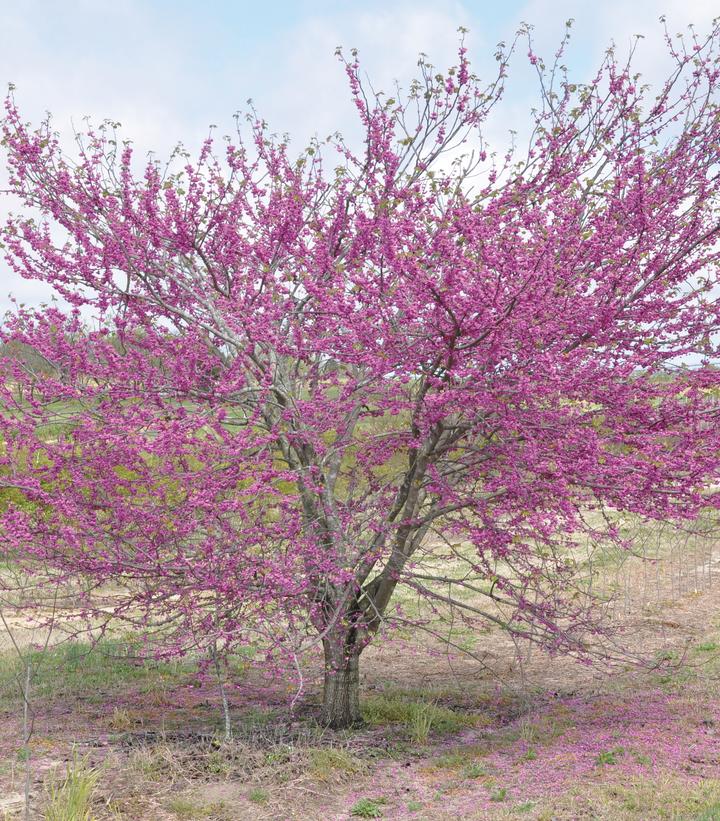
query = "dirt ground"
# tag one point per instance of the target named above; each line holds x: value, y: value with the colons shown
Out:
x: 528, y: 736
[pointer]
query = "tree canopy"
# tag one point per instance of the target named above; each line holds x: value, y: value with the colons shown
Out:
x: 282, y: 386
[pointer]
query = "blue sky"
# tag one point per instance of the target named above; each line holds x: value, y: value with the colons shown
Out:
x: 168, y: 69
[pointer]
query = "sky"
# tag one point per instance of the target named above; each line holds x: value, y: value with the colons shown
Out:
x: 168, y: 69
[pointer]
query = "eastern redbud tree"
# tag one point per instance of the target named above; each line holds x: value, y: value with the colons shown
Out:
x: 277, y: 389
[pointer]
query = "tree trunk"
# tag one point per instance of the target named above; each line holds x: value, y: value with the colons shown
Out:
x: 341, y: 694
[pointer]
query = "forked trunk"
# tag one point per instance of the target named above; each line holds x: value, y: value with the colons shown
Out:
x: 341, y: 694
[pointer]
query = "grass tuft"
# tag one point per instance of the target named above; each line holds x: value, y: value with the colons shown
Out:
x: 368, y: 808
x: 258, y: 796
x: 327, y: 762
x: 92, y: 671
x: 418, y: 717
x: 71, y: 799
x: 422, y: 718
x: 609, y: 756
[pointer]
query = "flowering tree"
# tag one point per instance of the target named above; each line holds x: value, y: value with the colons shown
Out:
x: 280, y: 390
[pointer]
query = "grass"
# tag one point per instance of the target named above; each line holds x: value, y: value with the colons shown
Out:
x: 258, y: 795
x: 156, y: 763
x: 422, y: 718
x: 610, y: 798
x: 609, y: 756
x: 464, y: 761
x: 475, y: 770
x: 368, y: 808
x: 709, y: 813
x: 329, y: 762
x: 188, y: 808
x: 529, y: 755
x: 418, y: 718
x: 80, y: 669
x: 121, y: 720
x: 452, y: 761
x: 499, y: 795
x: 542, y: 729
x: 71, y: 799
x: 182, y: 807
x: 266, y: 766
x: 639, y: 799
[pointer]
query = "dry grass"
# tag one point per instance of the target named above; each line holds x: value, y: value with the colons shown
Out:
x: 439, y: 728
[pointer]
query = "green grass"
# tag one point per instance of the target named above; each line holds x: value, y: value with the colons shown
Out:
x: 668, y: 798
x: 475, y: 770
x: 71, y: 799
x: 258, y: 796
x: 523, y: 807
x: 328, y: 762
x: 422, y: 718
x: 609, y: 756
x: 711, y: 813
x: 418, y: 717
x: 186, y: 808
x: 452, y: 761
x: 79, y: 669
x: 368, y: 808
x: 464, y: 763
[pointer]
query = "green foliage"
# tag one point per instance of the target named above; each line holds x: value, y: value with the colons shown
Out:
x: 464, y: 762
x: 668, y: 798
x: 475, y: 770
x: 217, y: 763
x: 451, y: 761
x: 422, y: 716
x: 279, y: 756
x: 149, y: 762
x: 182, y: 807
x: 12, y: 497
x: 121, y: 720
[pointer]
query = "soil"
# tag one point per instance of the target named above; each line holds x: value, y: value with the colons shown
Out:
x: 506, y: 687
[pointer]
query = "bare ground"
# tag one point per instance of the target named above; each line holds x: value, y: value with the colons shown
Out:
x: 540, y: 737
